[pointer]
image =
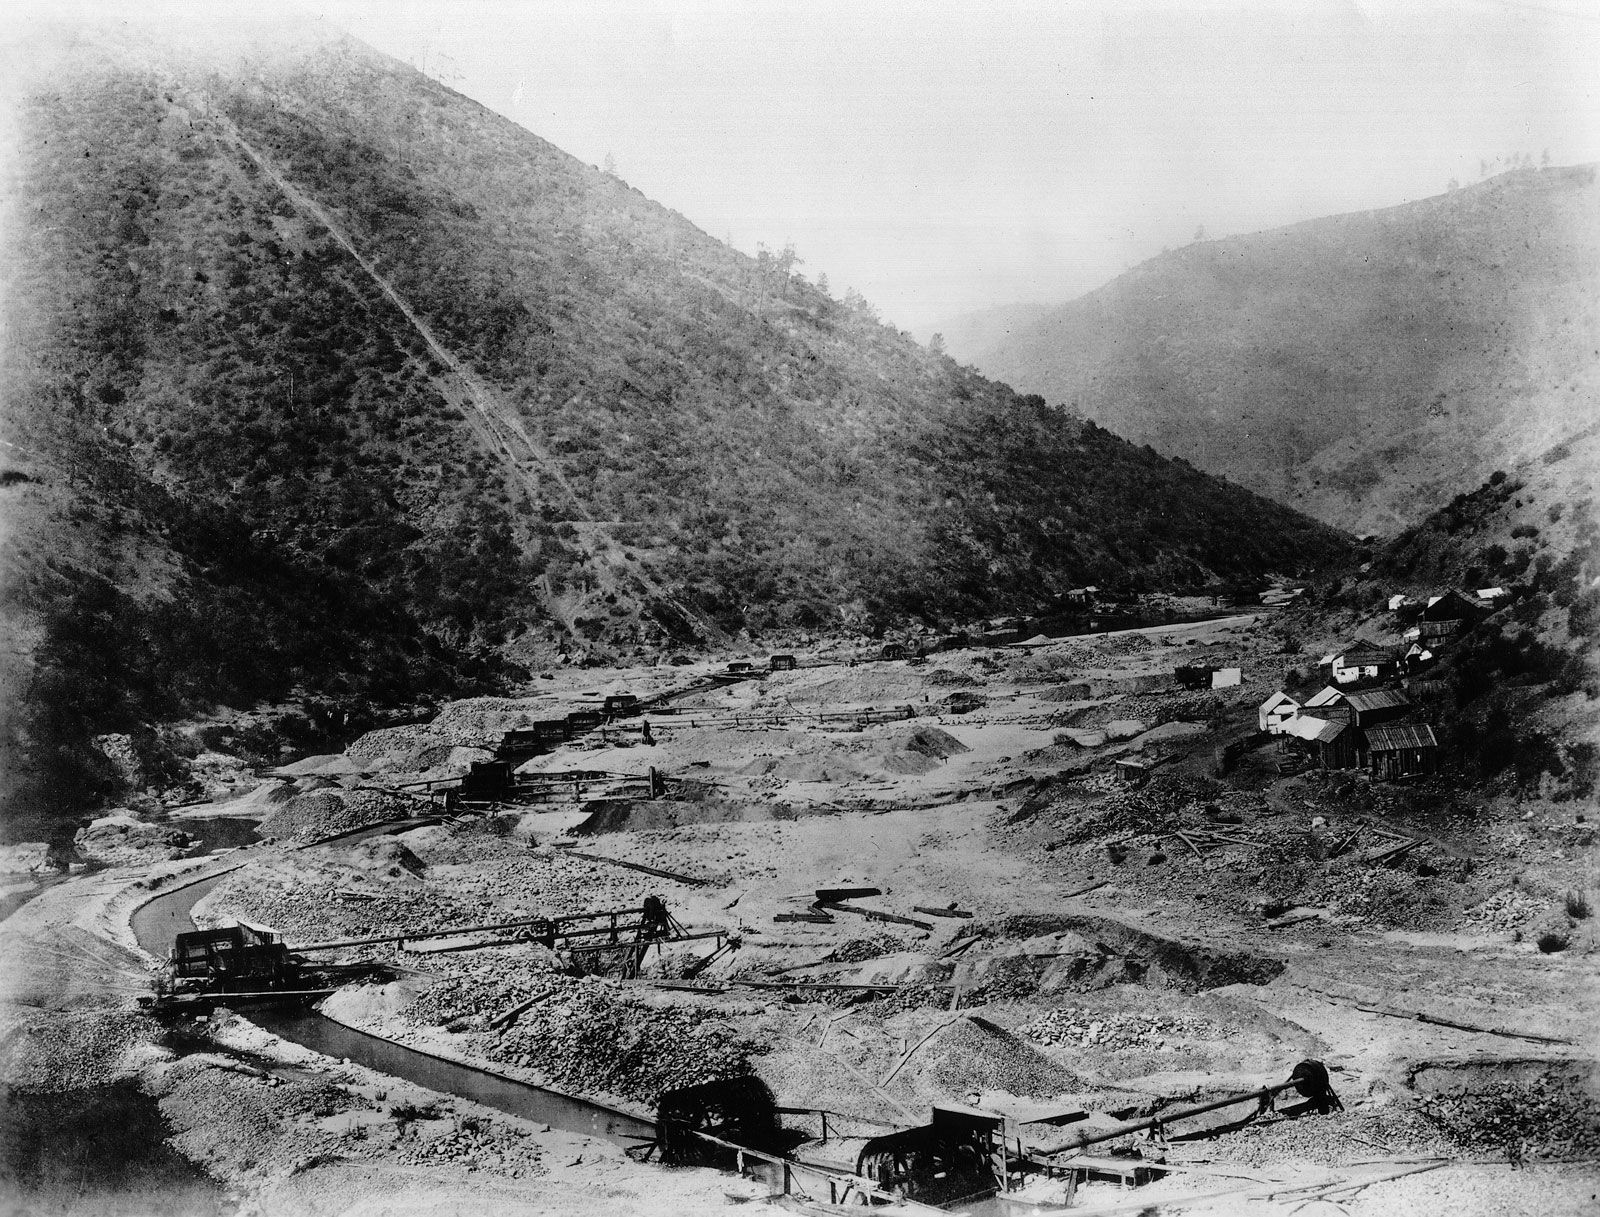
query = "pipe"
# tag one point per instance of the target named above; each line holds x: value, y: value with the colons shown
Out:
x: 1154, y: 1121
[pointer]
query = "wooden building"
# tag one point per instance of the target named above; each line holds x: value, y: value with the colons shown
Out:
x: 1399, y: 750
x: 1374, y: 706
x: 1329, y: 742
x: 1363, y: 661
x: 1452, y: 606
x: 1277, y: 710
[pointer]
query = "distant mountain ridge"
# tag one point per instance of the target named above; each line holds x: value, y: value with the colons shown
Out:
x: 1363, y: 368
x: 321, y: 377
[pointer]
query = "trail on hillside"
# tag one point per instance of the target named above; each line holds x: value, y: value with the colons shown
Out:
x: 496, y: 424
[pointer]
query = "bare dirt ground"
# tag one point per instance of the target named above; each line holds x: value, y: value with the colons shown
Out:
x: 1107, y: 964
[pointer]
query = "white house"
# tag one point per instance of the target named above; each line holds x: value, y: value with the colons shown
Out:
x: 1327, y: 696
x: 1362, y: 662
x: 1276, y: 712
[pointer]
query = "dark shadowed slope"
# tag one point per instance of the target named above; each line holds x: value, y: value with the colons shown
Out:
x: 323, y: 377
x: 1363, y: 368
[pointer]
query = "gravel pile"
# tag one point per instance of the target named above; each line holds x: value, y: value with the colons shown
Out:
x: 324, y: 813
x: 974, y: 1054
x: 61, y: 1050
x: 589, y: 1038
x: 858, y: 950
x: 1550, y: 1117
x: 1113, y: 1031
x: 478, y: 721
x: 480, y: 988
x: 1341, y: 1137
x: 1506, y: 910
x: 409, y: 749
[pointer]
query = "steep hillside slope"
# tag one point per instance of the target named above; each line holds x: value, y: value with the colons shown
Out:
x: 1363, y: 368
x: 320, y: 376
x: 1521, y: 688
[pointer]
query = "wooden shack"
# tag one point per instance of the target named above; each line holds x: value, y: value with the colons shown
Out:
x: 783, y: 663
x: 1364, y: 661
x: 1400, y: 750
x: 1373, y: 706
x: 1329, y: 742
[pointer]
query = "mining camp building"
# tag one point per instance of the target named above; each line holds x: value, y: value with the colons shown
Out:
x: 1277, y: 710
x: 1399, y: 750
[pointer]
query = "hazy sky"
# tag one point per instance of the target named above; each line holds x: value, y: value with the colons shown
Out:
x: 945, y: 155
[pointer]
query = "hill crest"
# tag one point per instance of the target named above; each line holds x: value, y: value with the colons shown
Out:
x: 1361, y: 367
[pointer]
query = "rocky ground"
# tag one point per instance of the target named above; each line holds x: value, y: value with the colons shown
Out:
x: 1107, y: 963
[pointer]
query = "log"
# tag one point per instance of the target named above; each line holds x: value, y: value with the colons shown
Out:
x: 638, y: 866
x: 1084, y: 891
x: 1296, y: 919
x: 946, y: 912
x: 1455, y: 1026
x: 915, y: 1048
x: 832, y: 895
x: 1193, y: 848
x: 875, y: 915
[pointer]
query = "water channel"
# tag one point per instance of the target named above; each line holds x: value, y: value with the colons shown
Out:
x: 157, y: 922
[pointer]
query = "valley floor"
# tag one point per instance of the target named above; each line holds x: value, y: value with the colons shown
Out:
x: 1108, y: 963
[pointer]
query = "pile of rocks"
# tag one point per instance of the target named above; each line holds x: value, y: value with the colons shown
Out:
x: 480, y: 989
x: 589, y: 1038
x: 120, y: 837
x: 324, y: 813
x: 1081, y: 1028
x: 1548, y: 1117
x: 471, y: 1142
x: 1508, y: 909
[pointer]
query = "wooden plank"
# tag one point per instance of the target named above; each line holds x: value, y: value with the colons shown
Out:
x: 875, y: 915
x: 1084, y: 891
x: 915, y: 1048
x: 1193, y: 848
x: 933, y: 912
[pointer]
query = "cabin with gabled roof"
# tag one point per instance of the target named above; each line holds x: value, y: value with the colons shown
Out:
x: 1363, y: 661
x: 1400, y: 750
x: 1277, y: 710
x: 1330, y: 742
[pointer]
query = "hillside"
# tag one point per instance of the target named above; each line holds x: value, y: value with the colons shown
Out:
x: 1521, y: 705
x: 1364, y: 367
x: 323, y: 380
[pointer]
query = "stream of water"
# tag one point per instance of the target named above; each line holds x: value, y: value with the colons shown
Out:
x: 158, y: 922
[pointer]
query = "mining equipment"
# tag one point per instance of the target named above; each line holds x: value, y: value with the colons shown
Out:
x: 962, y: 1155
x: 242, y: 964
x: 245, y: 963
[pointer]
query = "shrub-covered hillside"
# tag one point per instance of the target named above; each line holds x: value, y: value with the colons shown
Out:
x: 320, y: 376
x: 1518, y: 695
x: 1361, y: 367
